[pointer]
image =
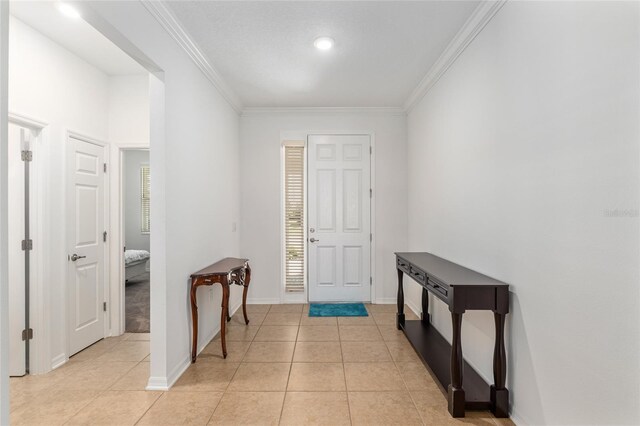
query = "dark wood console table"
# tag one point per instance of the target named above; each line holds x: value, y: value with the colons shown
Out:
x: 461, y: 289
x: 225, y: 272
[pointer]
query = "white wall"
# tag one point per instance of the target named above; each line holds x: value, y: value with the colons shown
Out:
x: 517, y: 156
x: 4, y: 280
x: 129, y: 109
x: 50, y: 84
x: 194, y: 185
x: 135, y: 239
x: 260, y: 153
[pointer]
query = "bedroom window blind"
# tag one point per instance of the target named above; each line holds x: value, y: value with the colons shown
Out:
x: 145, y: 200
x: 294, y: 216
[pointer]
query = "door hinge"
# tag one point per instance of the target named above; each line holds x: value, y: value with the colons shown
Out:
x: 27, y: 244
x: 27, y: 155
x: 370, y: 150
x: 370, y: 280
x: 104, y: 236
x: 105, y: 167
x: 27, y: 334
x: 370, y: 193
x: 370, y: 237
x: 104, y: 306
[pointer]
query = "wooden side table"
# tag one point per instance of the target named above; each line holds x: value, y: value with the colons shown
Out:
x: 228, y: 271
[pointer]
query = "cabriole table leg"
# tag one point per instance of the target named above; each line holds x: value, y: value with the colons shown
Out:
x: 194, y: 320
x: 247, y: 280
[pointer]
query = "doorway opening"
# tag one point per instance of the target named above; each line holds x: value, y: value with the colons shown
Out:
x: 137, y: 231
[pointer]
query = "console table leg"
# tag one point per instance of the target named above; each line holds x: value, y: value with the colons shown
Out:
x: 425, y: 306
x: 224, y: 315
x: 247, y: 280
x: 499, y: 394
x: 455, y: 391
x: 400, y: 314
x: 194, y: 320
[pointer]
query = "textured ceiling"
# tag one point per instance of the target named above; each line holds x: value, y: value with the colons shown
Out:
x: 264, y: 49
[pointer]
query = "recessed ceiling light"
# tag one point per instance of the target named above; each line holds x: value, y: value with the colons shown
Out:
x: 68, y: 11
x: 323, y: 43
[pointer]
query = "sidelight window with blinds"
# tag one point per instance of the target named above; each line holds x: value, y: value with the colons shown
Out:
x: 145, y: 199
x: 294, y: 226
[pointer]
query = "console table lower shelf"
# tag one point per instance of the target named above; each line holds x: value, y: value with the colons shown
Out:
x: 435, y: 352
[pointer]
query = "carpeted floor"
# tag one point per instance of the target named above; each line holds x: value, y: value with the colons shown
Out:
x: 137, y: 304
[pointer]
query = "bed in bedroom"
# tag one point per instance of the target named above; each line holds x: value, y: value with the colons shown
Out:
x: 135, y: 263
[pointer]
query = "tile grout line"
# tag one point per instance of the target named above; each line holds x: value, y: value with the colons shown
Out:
x: 289, y: 375
x: 149, y: 408
x: 344, y: 372
x: 226, y: 389
x: 415, y: 406
x: 102, y: 391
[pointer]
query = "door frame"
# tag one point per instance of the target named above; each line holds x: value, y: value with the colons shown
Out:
x: 117, y: 284
x: 39, y: 349
x: 303, y: 136
x: 107, y: 223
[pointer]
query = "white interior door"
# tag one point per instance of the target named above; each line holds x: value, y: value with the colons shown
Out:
x: 85, y: 227
x: 19, y: 138
x: 339, y: 207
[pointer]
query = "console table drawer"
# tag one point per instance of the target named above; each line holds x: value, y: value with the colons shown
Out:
x: 418, y: 275
x: 403, y: 265
x: 438, y: 288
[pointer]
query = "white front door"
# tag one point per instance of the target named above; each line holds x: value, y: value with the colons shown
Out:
x: 339, y: 207
x: 19, y: 139
x: 86, y: 249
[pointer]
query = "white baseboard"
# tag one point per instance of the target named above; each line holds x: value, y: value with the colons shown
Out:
x: 165, y: 383
x: 414, y: 308
x: 263, y: 301
x: 386, y: 301
x: 157, y: 384
x: 516, y: 419
x: 59, y: 360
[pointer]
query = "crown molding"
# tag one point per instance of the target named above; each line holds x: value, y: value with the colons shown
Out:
x: 471, y: 28
x: 250, y: 111
x: 170, y: 23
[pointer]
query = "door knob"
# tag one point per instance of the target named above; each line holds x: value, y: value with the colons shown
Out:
x: 313, y: 240
x: 75, y: 257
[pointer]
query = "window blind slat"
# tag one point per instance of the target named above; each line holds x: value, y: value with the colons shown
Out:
x: 294, y: 218
x: 145, y: 199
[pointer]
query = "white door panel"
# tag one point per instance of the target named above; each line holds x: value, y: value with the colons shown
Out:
x: 85, y: 225
x: 339, y: 218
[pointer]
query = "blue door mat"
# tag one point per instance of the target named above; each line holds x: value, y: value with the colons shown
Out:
x: 338, y: 310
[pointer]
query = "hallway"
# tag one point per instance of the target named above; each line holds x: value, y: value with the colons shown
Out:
x: 283, y: 368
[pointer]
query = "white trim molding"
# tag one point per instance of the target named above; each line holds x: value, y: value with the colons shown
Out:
x: 471, y: 28
x: 263, y: 301
x: 250, y: 111
x: 162, y: 13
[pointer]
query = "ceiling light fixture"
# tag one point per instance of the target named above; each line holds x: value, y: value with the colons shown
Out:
x: 323, y: 43
x: 68, y: 11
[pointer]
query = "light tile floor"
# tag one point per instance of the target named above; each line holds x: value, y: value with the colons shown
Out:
x: 284, y: 368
